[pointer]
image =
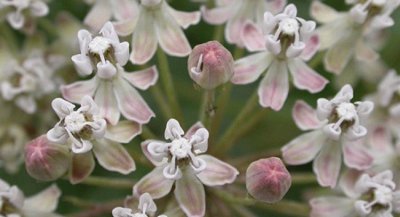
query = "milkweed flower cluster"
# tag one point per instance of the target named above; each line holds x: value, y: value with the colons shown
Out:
x: 88, y: 88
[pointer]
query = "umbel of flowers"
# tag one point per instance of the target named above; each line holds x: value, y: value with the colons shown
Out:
x: 181, y: 162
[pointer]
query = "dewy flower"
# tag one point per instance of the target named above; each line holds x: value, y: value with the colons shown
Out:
x: 181, y: 161
x: 146, y: 207
x: 153, y: 22
x: 112, y: 88
x: 237, y: 13
x: 346, y: 34
x: 288, y: 42
x: 28, y: 81
x: 371, y: 196
x: 336, y: 128
x: 12, y: 142
x: 20, y: 12
x: 14, y: 204
x: 84, y: 130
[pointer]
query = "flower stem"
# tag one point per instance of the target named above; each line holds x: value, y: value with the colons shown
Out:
x: 229, y: 136
x: 158, y: 96
x: 166, y: 79
x: 286, y: 207
x: 108, y: 182
x: 303, y: 178
x: 207, y: 110
x: 147, y: 133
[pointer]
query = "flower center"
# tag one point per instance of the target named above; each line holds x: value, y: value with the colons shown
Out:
x: 347, y: 111
x: 383, y: 195
x: 74, y: 122
x: 99, y: 45
x: 180, y: 148
x: 289, y: 26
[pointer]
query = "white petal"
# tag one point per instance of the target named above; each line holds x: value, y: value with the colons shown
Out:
x: 218, y: 15
x: 216, y: 172
x: 253, y: 37
x: 249, y: 68
x: 190, y: 194
x: 143, y: 79
x: 306, y: 78
x: 44, y: 201
x: 331, y: 206
x: 305, y: 116
x: 144, y: 40
x: 185, y: 19
x: 338, y: 56
x: 106, y: 100
x: 98, y: 15
x: 76, y: 91
x: 327, y: 164
x: 113, y: 157
x: 83, y: 64
x: 123, y: 132
x: 356, y: 156
x: 154, y: 183
x: 322, y: 12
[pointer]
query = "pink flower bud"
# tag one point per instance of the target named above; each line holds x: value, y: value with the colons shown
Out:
x: 268, y: 179
x: 210, y: 65
x: 45, y: 160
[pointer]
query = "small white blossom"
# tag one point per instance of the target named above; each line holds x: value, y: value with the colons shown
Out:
x: 21, y: 11
x: 146, y: 208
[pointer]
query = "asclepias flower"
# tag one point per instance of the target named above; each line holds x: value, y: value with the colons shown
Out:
x: 182, y: 162
x: 288, y: 42
x: 86, y: 134
x: 237, y: 13
x: 151, y: 22
x: 336, y: 129
x: 146, y: 207
x: 112, y: 88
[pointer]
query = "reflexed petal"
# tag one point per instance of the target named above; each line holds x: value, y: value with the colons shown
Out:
x: 274, y: 87
x: 144, y: 39
x: 233, y: 29
x: 322, y: 12
x: 130, y: 103
x: 304, y: 148
x: 249, y: 68
x: 76, y: 91
x: 44, y: 201
x: 125, y: 27
x: 154, y: 183
x: 113, y: 156
x: 253, y: 37
x: 312, y: 46
x: 82, y: 166
x: 327, y: 164
x: 217, y: 172
x: 328, y: 34
x: 98, y: 15
x: 348, y: 181
x: 365, y: 52
x: 170, y: 36
x: 185, y: 19
x: 106, y: 101
x: 305, y: 116
x: 143, y: 79
x: 338, y: 56
x: 306, y: 78
x: 276, y: 6
x: 356, y: 156
x: 189, y: 192
x: 218, y: 15
x: 381, y: 140
x: 125, y: 9
x: 331, y: 206
x: 123, y: 132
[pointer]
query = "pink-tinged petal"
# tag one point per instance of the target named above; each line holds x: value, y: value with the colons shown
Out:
x: 381, y: 140
x: 365, y: 52
x: 217, y: 172
x: 233, y: 29
x: 305, y: 78
x: 130, y: 103
x: 276, y: 6
x: 328, y: 33
x: 327, y: 164
x: 249, y: 68
x: 274, y: 87
x: 125, y: 27
x: 106, y: 101
x: 312, y: 46
x: 170, y: 36
x: 304, y: 148
x: 76, y: 91
x: 305, y: 116
x: 185, y: 19
x: 356, y: 156
x: 155, y: 160
x: 113, y: 157
x: 143, y: 79
x: 124, y: 9
x: 252, y: 37
x: 154, y: 183
x: 331, y: 206
x: 190, y: 194
x: 123, y: 132
x: 347, y: 182
x: 44, y: 201
x: 322, y: 12
x: 144, y: 40
x: 218, y: 15
x: 189, y: 133
x: 338, y: 56
x: 99, y: 14
x: 82, y: 166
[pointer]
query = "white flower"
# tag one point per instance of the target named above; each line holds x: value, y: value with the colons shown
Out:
x: 79, y: 126
x: 21, y: 8
x: 146, y: 207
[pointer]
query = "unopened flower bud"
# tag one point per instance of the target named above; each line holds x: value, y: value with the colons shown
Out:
x: 46, y: 161
x: 268, y: 180
x: 210, y: 65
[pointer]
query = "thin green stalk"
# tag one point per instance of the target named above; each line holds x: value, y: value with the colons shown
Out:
x: 167, y: 81
x: 286, y: 207
x: 147, y: 133
x: 316, y: 60
x: 226, y: 140
x: 160, y: 100
x: 108, y: 182
x: 219, y: 33
x: 303, y: 178
x: 207, y: 110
